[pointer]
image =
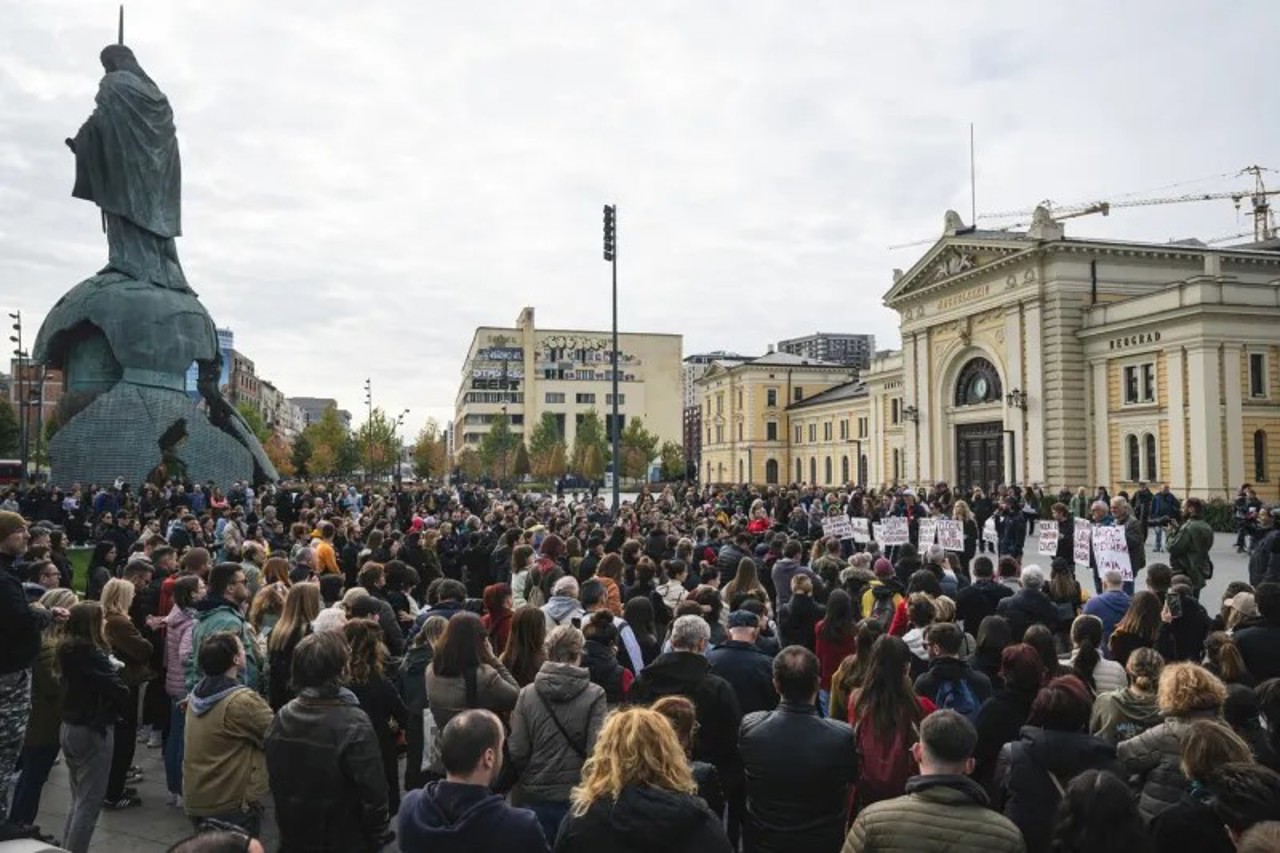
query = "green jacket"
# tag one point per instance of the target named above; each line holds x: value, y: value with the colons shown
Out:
x: 1189, y: 548
x: 212, y: 616
x: 938, y: 814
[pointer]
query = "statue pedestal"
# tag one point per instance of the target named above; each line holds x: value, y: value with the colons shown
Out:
x: 125, y: 346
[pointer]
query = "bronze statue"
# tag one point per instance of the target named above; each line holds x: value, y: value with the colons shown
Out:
x: 125, y: 337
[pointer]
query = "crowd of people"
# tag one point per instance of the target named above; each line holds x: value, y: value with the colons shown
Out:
x: 460, y: 668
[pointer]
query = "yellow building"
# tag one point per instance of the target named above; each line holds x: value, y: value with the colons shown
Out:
x: 525, y: 371
x: 746, y: 420
x: 1032, y: 357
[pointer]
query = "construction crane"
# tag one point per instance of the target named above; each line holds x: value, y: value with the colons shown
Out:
x: 1264, y: 227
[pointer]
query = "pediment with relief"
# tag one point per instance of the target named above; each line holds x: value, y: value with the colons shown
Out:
x: 947, y: 260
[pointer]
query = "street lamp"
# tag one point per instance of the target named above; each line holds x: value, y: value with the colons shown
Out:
x: 611, y: 255
x: 368, y: 427
x: 24, y: 404
x: 911, y: 413
x: 1016, y: 399
x: 395, y: 435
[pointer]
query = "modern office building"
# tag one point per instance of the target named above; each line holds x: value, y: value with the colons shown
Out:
x: 312, y: 409
x: 523, y: 371
x: 837, y: 347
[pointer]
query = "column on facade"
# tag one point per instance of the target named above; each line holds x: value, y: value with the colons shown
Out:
x: 1233, y: 416
x: 1033, y: 369
x: 924, y: 425
x: 1204, y: 392
x: 1014, y: 419
x: 911, y: 464
x: 1100, y: 446
x: 1176, y: 475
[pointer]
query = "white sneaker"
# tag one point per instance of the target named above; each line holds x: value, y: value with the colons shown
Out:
x: 144, y: 734
x: 156, y: 740
x: 174, y: 800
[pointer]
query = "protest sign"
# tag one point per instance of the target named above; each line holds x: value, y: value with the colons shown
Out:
x: 951, y: 534
x: 1082, y: 538
x: 989, y: 533
x: 895, y: 531
x: 1111, y: 551
x: 837, y: 526
x: 861, y: 530
x: 927, y: 532
x: 877, y: 532
x: 1047, y: 533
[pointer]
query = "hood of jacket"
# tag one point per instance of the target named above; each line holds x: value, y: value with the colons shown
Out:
x: 206, y: 606
x: 674, y: 672
x: 786, y: 565
x: 653, y: 816
x: 211, y: 690
x: 945, y: 788
x: 1065, y: 753
x: 1137, y: 707
x: 559, y: 607
x: 950, y: 669
x: 561, y: 682
x: 446, y: 813
x: 1114, y: 601
x: 178, y: 617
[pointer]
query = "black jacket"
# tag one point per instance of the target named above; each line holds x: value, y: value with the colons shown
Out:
x: 1025, y: 790
x: 1026, y: 608
x: 1190, y: 827
x: 749, y: 672
x: 727, y: 562
x: 688, y: 674
x: 20, y: 626
x: 1258, y: 646
x: 326, y: 776
x: 1000, y: 719
x: 94, y: 695
x: 942, y: 670
x: 602, y: 664
x: 797, y: 620
x: 644, y: 819
x: 449, y: 817
x: 798, y: 768
x: 979, y: 600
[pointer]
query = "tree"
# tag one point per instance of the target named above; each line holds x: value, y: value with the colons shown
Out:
x: 542, y: 441
x: 254, y: 419
x: 498, y: 447
x: 10, y: 430
x: 672, y: 456
x: 520, y: 466
x: 590, y: 433
x: 328, y: 440
x: 377, y: 444
x: 323, y: 461
x: 592, y: 463
x: 470, y: 464
x: 280, y: 451
x: 557, y: 464
x: 638, y: 447
x: 429, y: 451
x: 300, y: 455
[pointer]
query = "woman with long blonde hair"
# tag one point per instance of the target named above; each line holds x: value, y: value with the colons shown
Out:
x: 638, y: 792
x: 133, y: 650
x: 301, y: 607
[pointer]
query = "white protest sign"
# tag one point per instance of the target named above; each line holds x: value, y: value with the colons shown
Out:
x: 1080, y: 545
x: 896, y: 531
x: 877, y: 532
x: 928, y: 532
x: 837, y: 526
x: 1048, y: 536
x: 861, y: 530
x: 989, y: 532
x: 951, y: 534
x: 1111, y: 551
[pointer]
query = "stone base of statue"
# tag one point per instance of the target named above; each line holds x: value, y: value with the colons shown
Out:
x: 124, y: 347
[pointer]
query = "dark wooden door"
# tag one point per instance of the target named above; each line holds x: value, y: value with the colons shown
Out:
x: 980, y: 455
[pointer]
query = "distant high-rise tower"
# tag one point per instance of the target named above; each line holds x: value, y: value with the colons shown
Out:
x: 838, y: 347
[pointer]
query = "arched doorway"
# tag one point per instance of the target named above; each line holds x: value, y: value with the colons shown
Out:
x: 976, y: 398
x: 771, y: 472
x: 813, y: 470
x: 844, y: 469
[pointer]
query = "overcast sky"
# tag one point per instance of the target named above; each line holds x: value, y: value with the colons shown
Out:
x: 365, y: 183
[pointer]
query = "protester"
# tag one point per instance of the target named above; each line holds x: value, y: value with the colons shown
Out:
x: 1143, y: 626
x: 1153, y: 758
x: 950, y: 682
x: 853, y: 669
x: 134, y: 652
x: 378, y: 697
x: 1099, y: 674
x: 301, y: 608
x: 942, y: 811
x: 740, y: 662
x: 224, y: 767
x: 1097, y: 814
x: 94, y: 697
x: 554, y: 726
x: 1190, y: 824
x: 683, y: 717
x: 1029, y: 606
x: 1258, y: 643
x: 323, y: 758
x: 796, y: 804
x: 801, y: 615
x: 1120, y: 714
x: 637, y: 792
x: 525, y: 652
x: 222, y: 609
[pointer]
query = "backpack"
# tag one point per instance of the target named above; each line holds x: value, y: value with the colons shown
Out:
x: 883, y: 605
x: 957, y: 695
x: 884, y: 764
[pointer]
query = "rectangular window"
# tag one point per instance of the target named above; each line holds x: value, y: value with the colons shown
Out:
x: 813, y: 432
x: 554, y: 397
x: 720, y: 404
x: 1139, y: 382
x: 844, y: 430
x: 799, y: 434
x: 771, y: 431
x: 739, y: 430
x: 584, y: 399
x: 862, y: 427
x: 771, y: 397
x: 895, y: 410
x: 797, y: 394
x: 719, y: 435
x: 622, y: 399
x: 1149, y: 382
x: 826, y: 431
x: 1257, y: 375
x: 739, y: 399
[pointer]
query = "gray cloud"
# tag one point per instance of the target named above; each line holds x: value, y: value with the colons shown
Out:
x: 366, y: 183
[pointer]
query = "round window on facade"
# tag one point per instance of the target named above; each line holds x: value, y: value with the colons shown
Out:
x: 978, y: 383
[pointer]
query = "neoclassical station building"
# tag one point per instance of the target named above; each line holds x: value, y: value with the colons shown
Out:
x: 1030, y: 357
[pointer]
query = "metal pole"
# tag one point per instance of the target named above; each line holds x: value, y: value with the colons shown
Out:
x: 39, y: 418
x: 616, y: 430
